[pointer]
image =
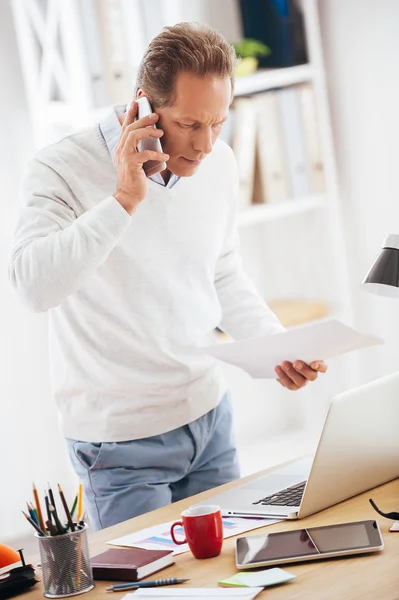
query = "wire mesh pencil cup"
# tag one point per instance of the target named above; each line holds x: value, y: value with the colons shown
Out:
x: 66, y: 566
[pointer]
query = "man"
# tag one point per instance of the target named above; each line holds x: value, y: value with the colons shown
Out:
x: 134, y: 273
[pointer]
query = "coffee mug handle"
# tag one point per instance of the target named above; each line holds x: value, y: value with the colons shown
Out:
x: 172, y: 533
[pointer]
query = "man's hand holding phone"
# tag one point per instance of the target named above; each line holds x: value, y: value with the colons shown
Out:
x: 129, y: 160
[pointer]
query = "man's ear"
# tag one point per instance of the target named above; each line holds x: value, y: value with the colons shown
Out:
x: 140, y: 93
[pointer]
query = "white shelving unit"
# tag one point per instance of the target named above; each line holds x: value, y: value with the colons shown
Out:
x: 267, y: 79
x: 262, y: 213
x: 314, y: 214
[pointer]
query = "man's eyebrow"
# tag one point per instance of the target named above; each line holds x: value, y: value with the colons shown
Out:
x: 186, y: 118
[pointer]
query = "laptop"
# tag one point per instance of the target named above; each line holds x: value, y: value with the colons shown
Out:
x: 358, y: 450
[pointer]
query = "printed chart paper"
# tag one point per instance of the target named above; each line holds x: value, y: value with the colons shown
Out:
x: 158, y: 537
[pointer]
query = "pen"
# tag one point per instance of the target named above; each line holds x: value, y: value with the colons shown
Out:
x: 121, y: 587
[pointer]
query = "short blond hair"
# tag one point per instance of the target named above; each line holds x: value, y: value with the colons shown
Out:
x: 189, y: 47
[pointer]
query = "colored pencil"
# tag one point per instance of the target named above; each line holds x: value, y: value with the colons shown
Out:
x: 32, y: 522
x: 74, y: 505
x: 51, y: 528
x: 47, y: 507
x: 65, y: 505
x: 57, y: 522
x: 80, y: 501
x: 38, y: 508
x: 32, y: 513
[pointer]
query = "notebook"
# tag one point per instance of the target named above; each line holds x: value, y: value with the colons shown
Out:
x: 129, y: 564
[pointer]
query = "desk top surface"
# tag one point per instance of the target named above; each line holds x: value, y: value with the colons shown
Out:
x: 355, y: 578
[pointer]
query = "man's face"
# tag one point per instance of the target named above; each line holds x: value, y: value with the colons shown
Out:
x: 194, y: 121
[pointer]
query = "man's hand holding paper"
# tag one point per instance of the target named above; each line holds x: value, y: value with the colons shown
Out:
x: 259, y: 356
x: 298, y: 374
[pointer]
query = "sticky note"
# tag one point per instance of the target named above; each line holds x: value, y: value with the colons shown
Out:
x: 258, y: 579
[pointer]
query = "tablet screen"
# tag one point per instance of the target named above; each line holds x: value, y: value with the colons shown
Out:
x: 309, y: 542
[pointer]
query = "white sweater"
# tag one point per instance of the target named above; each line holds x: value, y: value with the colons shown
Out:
x: 131, y: 298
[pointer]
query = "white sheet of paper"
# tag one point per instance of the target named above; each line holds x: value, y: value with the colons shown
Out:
x: 209, y: 593
x: 314, y: 341
x: 158, y: 537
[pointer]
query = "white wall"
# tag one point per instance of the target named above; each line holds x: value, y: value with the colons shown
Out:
x: 31, y: 447
x: 361, y: 48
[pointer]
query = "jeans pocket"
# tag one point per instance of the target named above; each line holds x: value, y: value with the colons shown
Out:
x: 88, y: 454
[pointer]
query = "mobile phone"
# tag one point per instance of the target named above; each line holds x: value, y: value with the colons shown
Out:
x: 312, y: 543
x: 151, y: 166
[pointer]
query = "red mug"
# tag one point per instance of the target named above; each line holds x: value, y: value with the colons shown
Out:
x: 204, y: 530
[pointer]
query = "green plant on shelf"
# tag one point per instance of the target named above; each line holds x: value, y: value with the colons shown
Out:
x: 248, y: 51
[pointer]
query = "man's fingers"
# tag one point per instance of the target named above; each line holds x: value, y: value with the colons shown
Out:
x: 133, y: 137
x: 319, y: 365
x: 129, y: 116
x: 285, y: 380
x: 131, y: 125
x: 146, y: 155
x: 304, y: 369
x: 293, y: 374
x: 133, y: 128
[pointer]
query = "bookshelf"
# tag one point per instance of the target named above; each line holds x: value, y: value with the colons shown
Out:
x: 261, y: 213
x: 313, y: 216
x: 267, y: 79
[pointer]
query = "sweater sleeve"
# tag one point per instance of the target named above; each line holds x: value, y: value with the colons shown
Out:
x: 55, y: 251
x: 245, y: 313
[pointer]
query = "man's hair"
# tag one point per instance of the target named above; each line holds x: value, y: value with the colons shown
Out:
x: 189, y: 47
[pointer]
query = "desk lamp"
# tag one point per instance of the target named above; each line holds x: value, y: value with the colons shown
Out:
x: 383, y: 277
x: 383, y: 280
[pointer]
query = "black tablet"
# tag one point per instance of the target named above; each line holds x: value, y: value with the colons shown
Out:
x: 308, y: 544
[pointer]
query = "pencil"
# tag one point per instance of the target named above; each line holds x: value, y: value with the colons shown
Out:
x: 35, y: 512
x: 32, y: 513
x: 46, y: 500
x: 74, y: 505
x: 51, y: 528
x: 38, y: 508
x: 32, y: 522
x: 52, y: 501
x: 57, y: 522
x: 80, y: 501
x: 65, y: 505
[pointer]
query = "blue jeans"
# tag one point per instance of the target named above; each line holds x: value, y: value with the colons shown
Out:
x: 124, y: 479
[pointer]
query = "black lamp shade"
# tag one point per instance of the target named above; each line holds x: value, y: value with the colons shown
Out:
x: 383, y: 277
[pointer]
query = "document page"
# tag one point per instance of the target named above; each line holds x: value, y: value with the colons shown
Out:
x: 209, y: 593
x: 320, y: 340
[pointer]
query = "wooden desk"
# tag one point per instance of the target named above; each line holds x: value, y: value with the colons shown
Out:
x: 374, y: 576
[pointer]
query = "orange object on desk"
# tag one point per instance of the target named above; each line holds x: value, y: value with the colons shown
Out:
x: 8, y: 556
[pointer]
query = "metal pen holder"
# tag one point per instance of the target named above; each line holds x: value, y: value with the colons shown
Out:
x: 66, y: 566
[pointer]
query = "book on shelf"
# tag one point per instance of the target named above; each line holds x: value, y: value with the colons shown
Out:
x: 294, y: 142
x: 270, y: 149
x: 244, y: 146
x: 129, y: 564
x: 276, y: 141
x: 312, y: 138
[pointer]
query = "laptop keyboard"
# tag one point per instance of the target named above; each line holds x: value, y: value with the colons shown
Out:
x: 291, y: 496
